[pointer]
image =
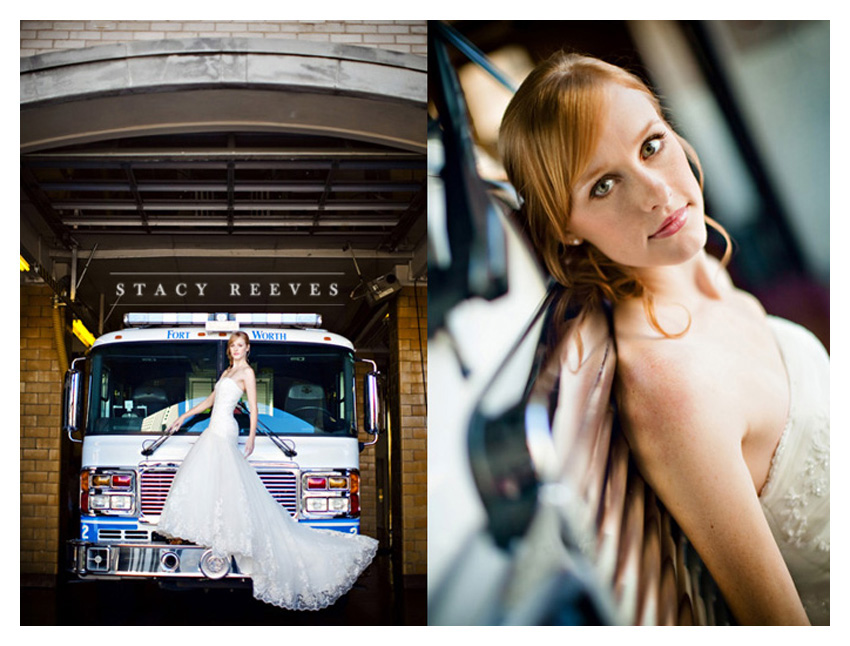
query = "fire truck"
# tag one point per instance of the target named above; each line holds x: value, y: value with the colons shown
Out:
x: 130, y: 386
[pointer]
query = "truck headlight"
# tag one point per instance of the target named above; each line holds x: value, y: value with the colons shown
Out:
x: 99, y: 502
x: 317, y: 504
x: 121, y: 503
x: 331, y: 493
x: 338, y: 504
x: 106, y: 491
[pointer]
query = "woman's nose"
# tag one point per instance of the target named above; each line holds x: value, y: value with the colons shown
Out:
x: 655, y: 190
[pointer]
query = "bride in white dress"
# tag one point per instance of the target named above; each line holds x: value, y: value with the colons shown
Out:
x: 726, y: 410
x: 217, y: 500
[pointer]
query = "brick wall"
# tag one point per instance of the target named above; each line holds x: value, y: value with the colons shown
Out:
x: 409, y: 337
x: 40, y: 36
x: 41, y: 401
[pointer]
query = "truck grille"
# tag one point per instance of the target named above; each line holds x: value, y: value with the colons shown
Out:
x: 126, y: 535
x: 283, y: 486
x: 155, y: 483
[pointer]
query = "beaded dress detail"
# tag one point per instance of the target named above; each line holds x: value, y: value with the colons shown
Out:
x: 217, y: 500
x: 795, y: 498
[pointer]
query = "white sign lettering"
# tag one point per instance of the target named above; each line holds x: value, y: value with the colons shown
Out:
x: 230, y: 290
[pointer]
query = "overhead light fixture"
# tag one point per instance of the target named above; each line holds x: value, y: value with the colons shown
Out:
x: 25, y: 266
x: 82, y: 333
x: 375, y: 290
x: 381, y: 288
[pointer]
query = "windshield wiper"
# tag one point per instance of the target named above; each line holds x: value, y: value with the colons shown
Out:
x: 287, y: 446
x: 150, y: 449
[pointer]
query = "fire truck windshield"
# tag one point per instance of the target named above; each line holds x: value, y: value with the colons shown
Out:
x: 141, y: 387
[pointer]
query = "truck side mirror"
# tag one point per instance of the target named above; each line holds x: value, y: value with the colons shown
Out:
x: 72, y: 410
x: 371, y: 403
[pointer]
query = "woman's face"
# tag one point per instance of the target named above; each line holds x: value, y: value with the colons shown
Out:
x: 638, y: 201
x: 238, y: 348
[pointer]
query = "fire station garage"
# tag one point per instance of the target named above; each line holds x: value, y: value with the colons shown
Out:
x: 222, y: 170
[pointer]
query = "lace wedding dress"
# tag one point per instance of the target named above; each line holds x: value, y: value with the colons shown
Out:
x: 795, y: 498
x: 217, y: 500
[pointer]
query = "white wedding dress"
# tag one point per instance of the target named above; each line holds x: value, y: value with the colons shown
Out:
x: 217, y: 500
x: 795, y: 498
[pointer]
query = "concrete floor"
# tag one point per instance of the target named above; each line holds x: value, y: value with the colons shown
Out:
x: 374, y: 601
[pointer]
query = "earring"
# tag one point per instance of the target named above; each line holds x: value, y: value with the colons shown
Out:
x: 575, y: 241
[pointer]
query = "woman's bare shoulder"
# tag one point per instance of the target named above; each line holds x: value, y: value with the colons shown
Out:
x: 667, y: 396
x: 658, y: 372
x: 248, y: 375
x: 243, y: 376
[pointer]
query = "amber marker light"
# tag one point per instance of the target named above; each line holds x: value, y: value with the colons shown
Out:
x: 100, y: 480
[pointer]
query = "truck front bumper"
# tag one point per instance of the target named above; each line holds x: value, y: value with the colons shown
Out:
x: 151, y: 560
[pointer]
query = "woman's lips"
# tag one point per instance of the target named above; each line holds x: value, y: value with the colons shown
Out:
x: 672, y: 224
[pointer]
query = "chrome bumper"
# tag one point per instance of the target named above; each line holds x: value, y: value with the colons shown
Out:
x: 160, y: 560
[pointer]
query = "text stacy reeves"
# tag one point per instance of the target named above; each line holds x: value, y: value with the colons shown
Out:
x: 233, y: 290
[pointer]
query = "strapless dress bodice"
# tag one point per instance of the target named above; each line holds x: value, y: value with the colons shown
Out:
x: 795, y: 498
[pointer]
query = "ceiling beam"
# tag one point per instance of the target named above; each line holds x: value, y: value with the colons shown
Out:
x: 198, y: 252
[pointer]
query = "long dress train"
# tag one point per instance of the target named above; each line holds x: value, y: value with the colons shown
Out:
x: 217, y: 500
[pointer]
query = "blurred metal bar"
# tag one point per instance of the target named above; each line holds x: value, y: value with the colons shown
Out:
x: 472, y: 53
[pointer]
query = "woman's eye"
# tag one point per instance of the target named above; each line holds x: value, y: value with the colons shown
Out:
x: 651, y: 146
x: 602, y: 187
